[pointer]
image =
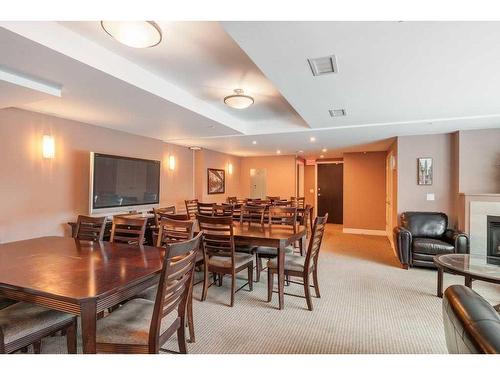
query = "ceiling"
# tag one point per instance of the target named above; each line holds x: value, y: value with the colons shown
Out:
x: 394, y: 79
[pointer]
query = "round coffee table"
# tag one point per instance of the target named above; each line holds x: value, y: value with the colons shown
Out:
x: 472, y: 267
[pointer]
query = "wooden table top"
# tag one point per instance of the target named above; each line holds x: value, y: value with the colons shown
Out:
x: 73, y: 269
x: 266, y: 231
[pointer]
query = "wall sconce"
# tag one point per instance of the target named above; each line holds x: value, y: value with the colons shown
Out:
x: 48, y: 147
x: 171, y: 162
x: 230, y: 168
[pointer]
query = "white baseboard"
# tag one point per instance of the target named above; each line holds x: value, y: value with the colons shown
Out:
x: 370, y: 232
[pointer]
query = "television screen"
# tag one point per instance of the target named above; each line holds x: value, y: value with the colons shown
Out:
x: 122, y: 182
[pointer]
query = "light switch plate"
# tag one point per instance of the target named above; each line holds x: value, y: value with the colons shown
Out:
x: 430, y: 196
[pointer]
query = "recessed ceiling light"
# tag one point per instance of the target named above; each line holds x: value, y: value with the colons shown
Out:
x: 324, y: 150
x: 238, y: 100
x: 322, y: 156
x: 254, y: 142
x: 278, y: 152
x: 195, y: 148
x: 337, y: 112
x: 300, y: 152
x: 136, y: 34
x: 312, y: 139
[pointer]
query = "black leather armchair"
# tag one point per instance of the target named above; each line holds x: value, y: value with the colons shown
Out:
x: 422, y: 235
x: 471, y: 324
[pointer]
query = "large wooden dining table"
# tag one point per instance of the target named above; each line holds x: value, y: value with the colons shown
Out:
x: 77, y: 277
x: 272, y: 236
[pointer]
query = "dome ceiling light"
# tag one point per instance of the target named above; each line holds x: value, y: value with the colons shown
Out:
x: 136, y: 34
x: 238, y: 100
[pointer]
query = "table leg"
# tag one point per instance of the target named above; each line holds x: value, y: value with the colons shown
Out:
x: 440, y: 283
x: 468, y: 281
x: 302, y: 244
x: 281, y: 276
x: 88, y: 314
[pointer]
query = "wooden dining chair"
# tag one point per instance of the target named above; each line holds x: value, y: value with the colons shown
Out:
x: 252, y: 214
x: 220, y: 256
x: 298, y: 201
x: 222, y: 210
x: 143, y: 326
x: 191, y: 208
x: 24, y: 323
x: 205, y: 209
x: 159, y: 212
x: 90, y: 228
x: 284, y: 217
x: 128, y: 230
x: 300, y: 266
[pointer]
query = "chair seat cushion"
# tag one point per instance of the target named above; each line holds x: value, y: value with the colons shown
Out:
x: 431, y: 246
x: 5, y: 302
x: 292, y: 263
x: 130, y: 323
x: 22, y: 319
x: 272, y: 251
x: 240, y: 259
x: 248, y: 249
x: 149, y: 294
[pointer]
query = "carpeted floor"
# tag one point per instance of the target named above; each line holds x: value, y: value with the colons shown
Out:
x: 368, y: 304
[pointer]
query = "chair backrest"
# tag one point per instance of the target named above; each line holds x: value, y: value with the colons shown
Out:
x: 191, y: 208
x: 232, y: 200
x: 315, y: 241
x: 272, y: 198
x: 158, y: 212
x: 283, y: 216
x: 182, y: 216
x: 253, y: 201
x: 425, y: 224
x: 222, y: 210
x: 298, y: 201
x: 218, y: 237
x: 172, y: 231
x: 205, y: 209
x: 128, y: 230
x: 283, y: 203
x: 173, y: 288
x: 306, y: 217
x: 252, y: 214
x: 90, y: 228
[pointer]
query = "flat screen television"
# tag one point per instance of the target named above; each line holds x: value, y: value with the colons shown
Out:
x: 121, y: 184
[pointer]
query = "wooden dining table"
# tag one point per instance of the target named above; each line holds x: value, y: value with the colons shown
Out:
x: 275, y: 236
x: 77, y: 277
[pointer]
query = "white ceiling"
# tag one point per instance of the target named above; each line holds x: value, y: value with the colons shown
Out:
x: 394, y: 79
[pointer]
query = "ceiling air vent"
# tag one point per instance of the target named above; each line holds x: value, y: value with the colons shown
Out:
x: 323, y: 65
x: 337, y: 112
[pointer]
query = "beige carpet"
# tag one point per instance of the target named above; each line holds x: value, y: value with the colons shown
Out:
x: 368, y: 305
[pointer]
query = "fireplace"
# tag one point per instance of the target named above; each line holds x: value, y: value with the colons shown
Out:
x: 493, y: 236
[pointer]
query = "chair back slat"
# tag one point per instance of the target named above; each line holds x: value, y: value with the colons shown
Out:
x: 205, y: 209
x: 90, y: 228
x: 316, y: 240
x: 222, y: 210
x: 252, y: 214
x: 283, y: 216
x: 174, y: 286
x: 128, y: 230
x: 158, y: 212
x: 191, y: 208
x: 171, y: 231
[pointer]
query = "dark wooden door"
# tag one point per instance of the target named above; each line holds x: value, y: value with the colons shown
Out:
x: 331, y: 192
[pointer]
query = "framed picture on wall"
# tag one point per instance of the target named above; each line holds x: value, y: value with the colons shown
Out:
x: 424, y: 171
x: 216, y: 181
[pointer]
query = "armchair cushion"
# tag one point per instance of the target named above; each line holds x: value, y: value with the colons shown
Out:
x: 431, y: 246
x: 425, y: 224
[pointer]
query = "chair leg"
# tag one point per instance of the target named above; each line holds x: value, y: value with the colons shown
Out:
x: 233, y: 288
x: 37, y: 347
x: 71, y: 338
x: 190, y: 317
x: 250, y: 276
x: 258, y: 260
x: 270, y: 286
x: 181, y: 336
x: 315, y: 280
x: 220, y: 277
x: 205, y: 285
x: 307, y: 292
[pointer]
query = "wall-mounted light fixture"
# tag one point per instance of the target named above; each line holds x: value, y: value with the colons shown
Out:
x: 171, y: 162
x: 230, y: 168
x: 48, y: 147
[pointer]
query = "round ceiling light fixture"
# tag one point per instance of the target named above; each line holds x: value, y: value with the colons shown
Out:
x: 136, y: 34
x: 238, y: 100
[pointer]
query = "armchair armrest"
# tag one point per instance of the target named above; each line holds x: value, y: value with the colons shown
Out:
x: 402, y: 240
x: 458, y: 239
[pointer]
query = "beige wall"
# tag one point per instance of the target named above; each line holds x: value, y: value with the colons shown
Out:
x: 479, y: 163
x: 205, y: 159
x: 38, y: 196
x: 365, y: 190
x: 310, y: 183
x: 411, y: 196
x: 280, y: 174
x: 393, y: 151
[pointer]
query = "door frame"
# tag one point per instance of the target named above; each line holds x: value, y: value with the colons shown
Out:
x: 316, y: 179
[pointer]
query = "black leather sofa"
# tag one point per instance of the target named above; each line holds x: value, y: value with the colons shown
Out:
x: 422, y: 235
x: 471, y: 324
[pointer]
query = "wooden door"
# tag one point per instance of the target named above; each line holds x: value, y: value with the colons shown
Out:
x: 331, y: 192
